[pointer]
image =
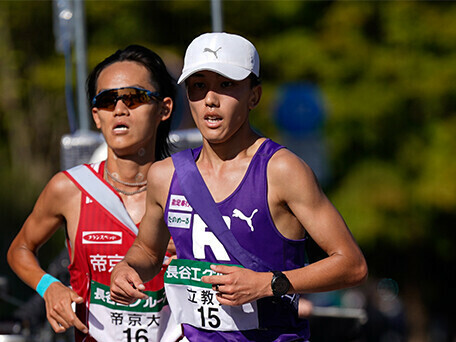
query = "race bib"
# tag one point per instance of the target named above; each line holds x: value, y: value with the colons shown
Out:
x: 145, y: 320
x: 194, y: 302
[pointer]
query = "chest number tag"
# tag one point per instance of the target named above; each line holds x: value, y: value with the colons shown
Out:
x: 194, y: 302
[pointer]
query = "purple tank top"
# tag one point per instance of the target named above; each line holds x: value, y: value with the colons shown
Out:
x: 246, y: 213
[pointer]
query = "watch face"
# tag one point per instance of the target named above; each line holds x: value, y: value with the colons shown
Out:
x: 280, y: 284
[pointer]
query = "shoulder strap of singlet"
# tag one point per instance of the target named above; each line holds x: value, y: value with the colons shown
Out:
x: 86, y: 179
x: 201, y: 200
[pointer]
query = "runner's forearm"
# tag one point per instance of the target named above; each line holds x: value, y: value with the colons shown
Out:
x: 24, y: 263
x: 331, y: 273
x: 146, y: 264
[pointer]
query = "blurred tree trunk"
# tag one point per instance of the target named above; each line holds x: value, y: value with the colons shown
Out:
x: 15, y: 114
x: 417, y: 319
x: 18, y: 131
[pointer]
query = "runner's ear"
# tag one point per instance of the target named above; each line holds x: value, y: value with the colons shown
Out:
x: 255, y: 96
x: 166, y: 108
x: 96, y: 117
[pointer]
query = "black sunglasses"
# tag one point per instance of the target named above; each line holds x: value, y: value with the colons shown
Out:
x: 132, y: 97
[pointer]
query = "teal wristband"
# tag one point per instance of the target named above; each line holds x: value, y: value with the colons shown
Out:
x: 44, y: 283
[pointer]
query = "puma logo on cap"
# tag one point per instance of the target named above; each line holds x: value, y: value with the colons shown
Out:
x: 212, y: 51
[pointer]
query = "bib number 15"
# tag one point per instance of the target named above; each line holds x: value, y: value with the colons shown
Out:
x: 209, y: 317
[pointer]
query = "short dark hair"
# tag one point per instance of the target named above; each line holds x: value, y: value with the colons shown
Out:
x: 254, y: 80
x: 159, y: 78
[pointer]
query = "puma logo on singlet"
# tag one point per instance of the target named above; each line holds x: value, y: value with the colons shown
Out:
x: 212, y: 51
x: 239, y: 214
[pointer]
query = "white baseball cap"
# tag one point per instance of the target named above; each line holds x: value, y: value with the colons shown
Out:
x: 227, y: 54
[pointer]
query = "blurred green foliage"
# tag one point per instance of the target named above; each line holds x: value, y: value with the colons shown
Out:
x: 386, y: 70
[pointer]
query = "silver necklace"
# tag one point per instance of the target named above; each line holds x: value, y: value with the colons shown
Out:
x: 129, y: 193
x: 124, y: 183
x: 126, y: 193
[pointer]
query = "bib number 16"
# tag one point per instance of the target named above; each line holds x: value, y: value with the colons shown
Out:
x: 139, y: 336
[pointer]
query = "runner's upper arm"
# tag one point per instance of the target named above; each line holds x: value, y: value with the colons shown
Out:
x: 153, y: 233
x: 302, y: 194
x: 48, y: 214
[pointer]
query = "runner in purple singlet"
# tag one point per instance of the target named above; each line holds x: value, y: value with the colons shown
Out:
x: 269, y: 200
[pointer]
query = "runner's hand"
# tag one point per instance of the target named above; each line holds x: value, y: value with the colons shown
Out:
x: 59, y: 312
x: 126, y: 285
x: 238, y: 286
x: 171, y: 249
x: 170, y: 253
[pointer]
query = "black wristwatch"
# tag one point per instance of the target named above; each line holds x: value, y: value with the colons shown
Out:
x: 279, y: 284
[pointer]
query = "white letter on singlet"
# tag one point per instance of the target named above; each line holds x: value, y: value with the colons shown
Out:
x: 202, y: 237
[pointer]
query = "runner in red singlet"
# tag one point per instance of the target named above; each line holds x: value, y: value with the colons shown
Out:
x: 101, y: 205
